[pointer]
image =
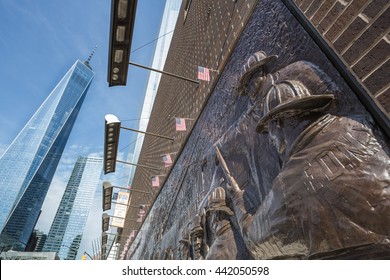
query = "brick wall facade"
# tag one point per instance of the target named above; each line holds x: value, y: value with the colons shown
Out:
x: 221, y: 35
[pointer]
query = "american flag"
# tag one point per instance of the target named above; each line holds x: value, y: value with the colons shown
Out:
x: 167, y: 160
x: 181, y: 124
x: 203, y: 73
x: 132, y: 234
x: 155, y: 181
x: 139, y: 218
x: 142, y: 210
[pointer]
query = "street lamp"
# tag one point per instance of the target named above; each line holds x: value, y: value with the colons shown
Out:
x: 104, y: 239
x: 104, y: 252
x: 121, y: 35
x: 107, y: 195
x: 111, y: 141
x: 86, y: 254
x: 104, y: 245
x: 105, y: 222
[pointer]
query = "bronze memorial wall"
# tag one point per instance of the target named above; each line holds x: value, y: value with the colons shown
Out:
x: 283, y: 161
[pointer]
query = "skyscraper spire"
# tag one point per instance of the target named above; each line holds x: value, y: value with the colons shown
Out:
x: 90, y: 56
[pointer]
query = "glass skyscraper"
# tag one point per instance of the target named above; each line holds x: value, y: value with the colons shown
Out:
x: 69, y: 222
x: 28, y: 165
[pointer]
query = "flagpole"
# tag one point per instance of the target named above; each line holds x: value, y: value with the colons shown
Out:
x: 188, y: 119
x: 163, y: 72
x: 131, y: 189
x: 148, y: 133
x: 213, y: 70
x: 168, y: 154
x: 128, y: 205
x: 140, y: 165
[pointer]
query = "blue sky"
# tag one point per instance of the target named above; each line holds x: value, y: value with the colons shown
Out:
x: 39, y: 41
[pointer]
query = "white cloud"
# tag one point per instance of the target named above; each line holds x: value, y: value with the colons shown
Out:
x: 96, y: 154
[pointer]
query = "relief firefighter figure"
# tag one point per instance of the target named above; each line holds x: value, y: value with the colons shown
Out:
x: 196, y: 238
x: 331, y: 198
x: 220, y: 237
x: 184, y: 245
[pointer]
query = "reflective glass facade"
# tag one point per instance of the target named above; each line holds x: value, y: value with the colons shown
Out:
x: 69, y: 222
x: 28, y: 165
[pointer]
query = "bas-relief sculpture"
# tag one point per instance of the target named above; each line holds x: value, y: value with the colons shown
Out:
x: 168, y: 255
x: 220, y: 237
x: 184, y: 245
x: 196, y: 238
x: 320, y: 189
x: 331, y: 196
